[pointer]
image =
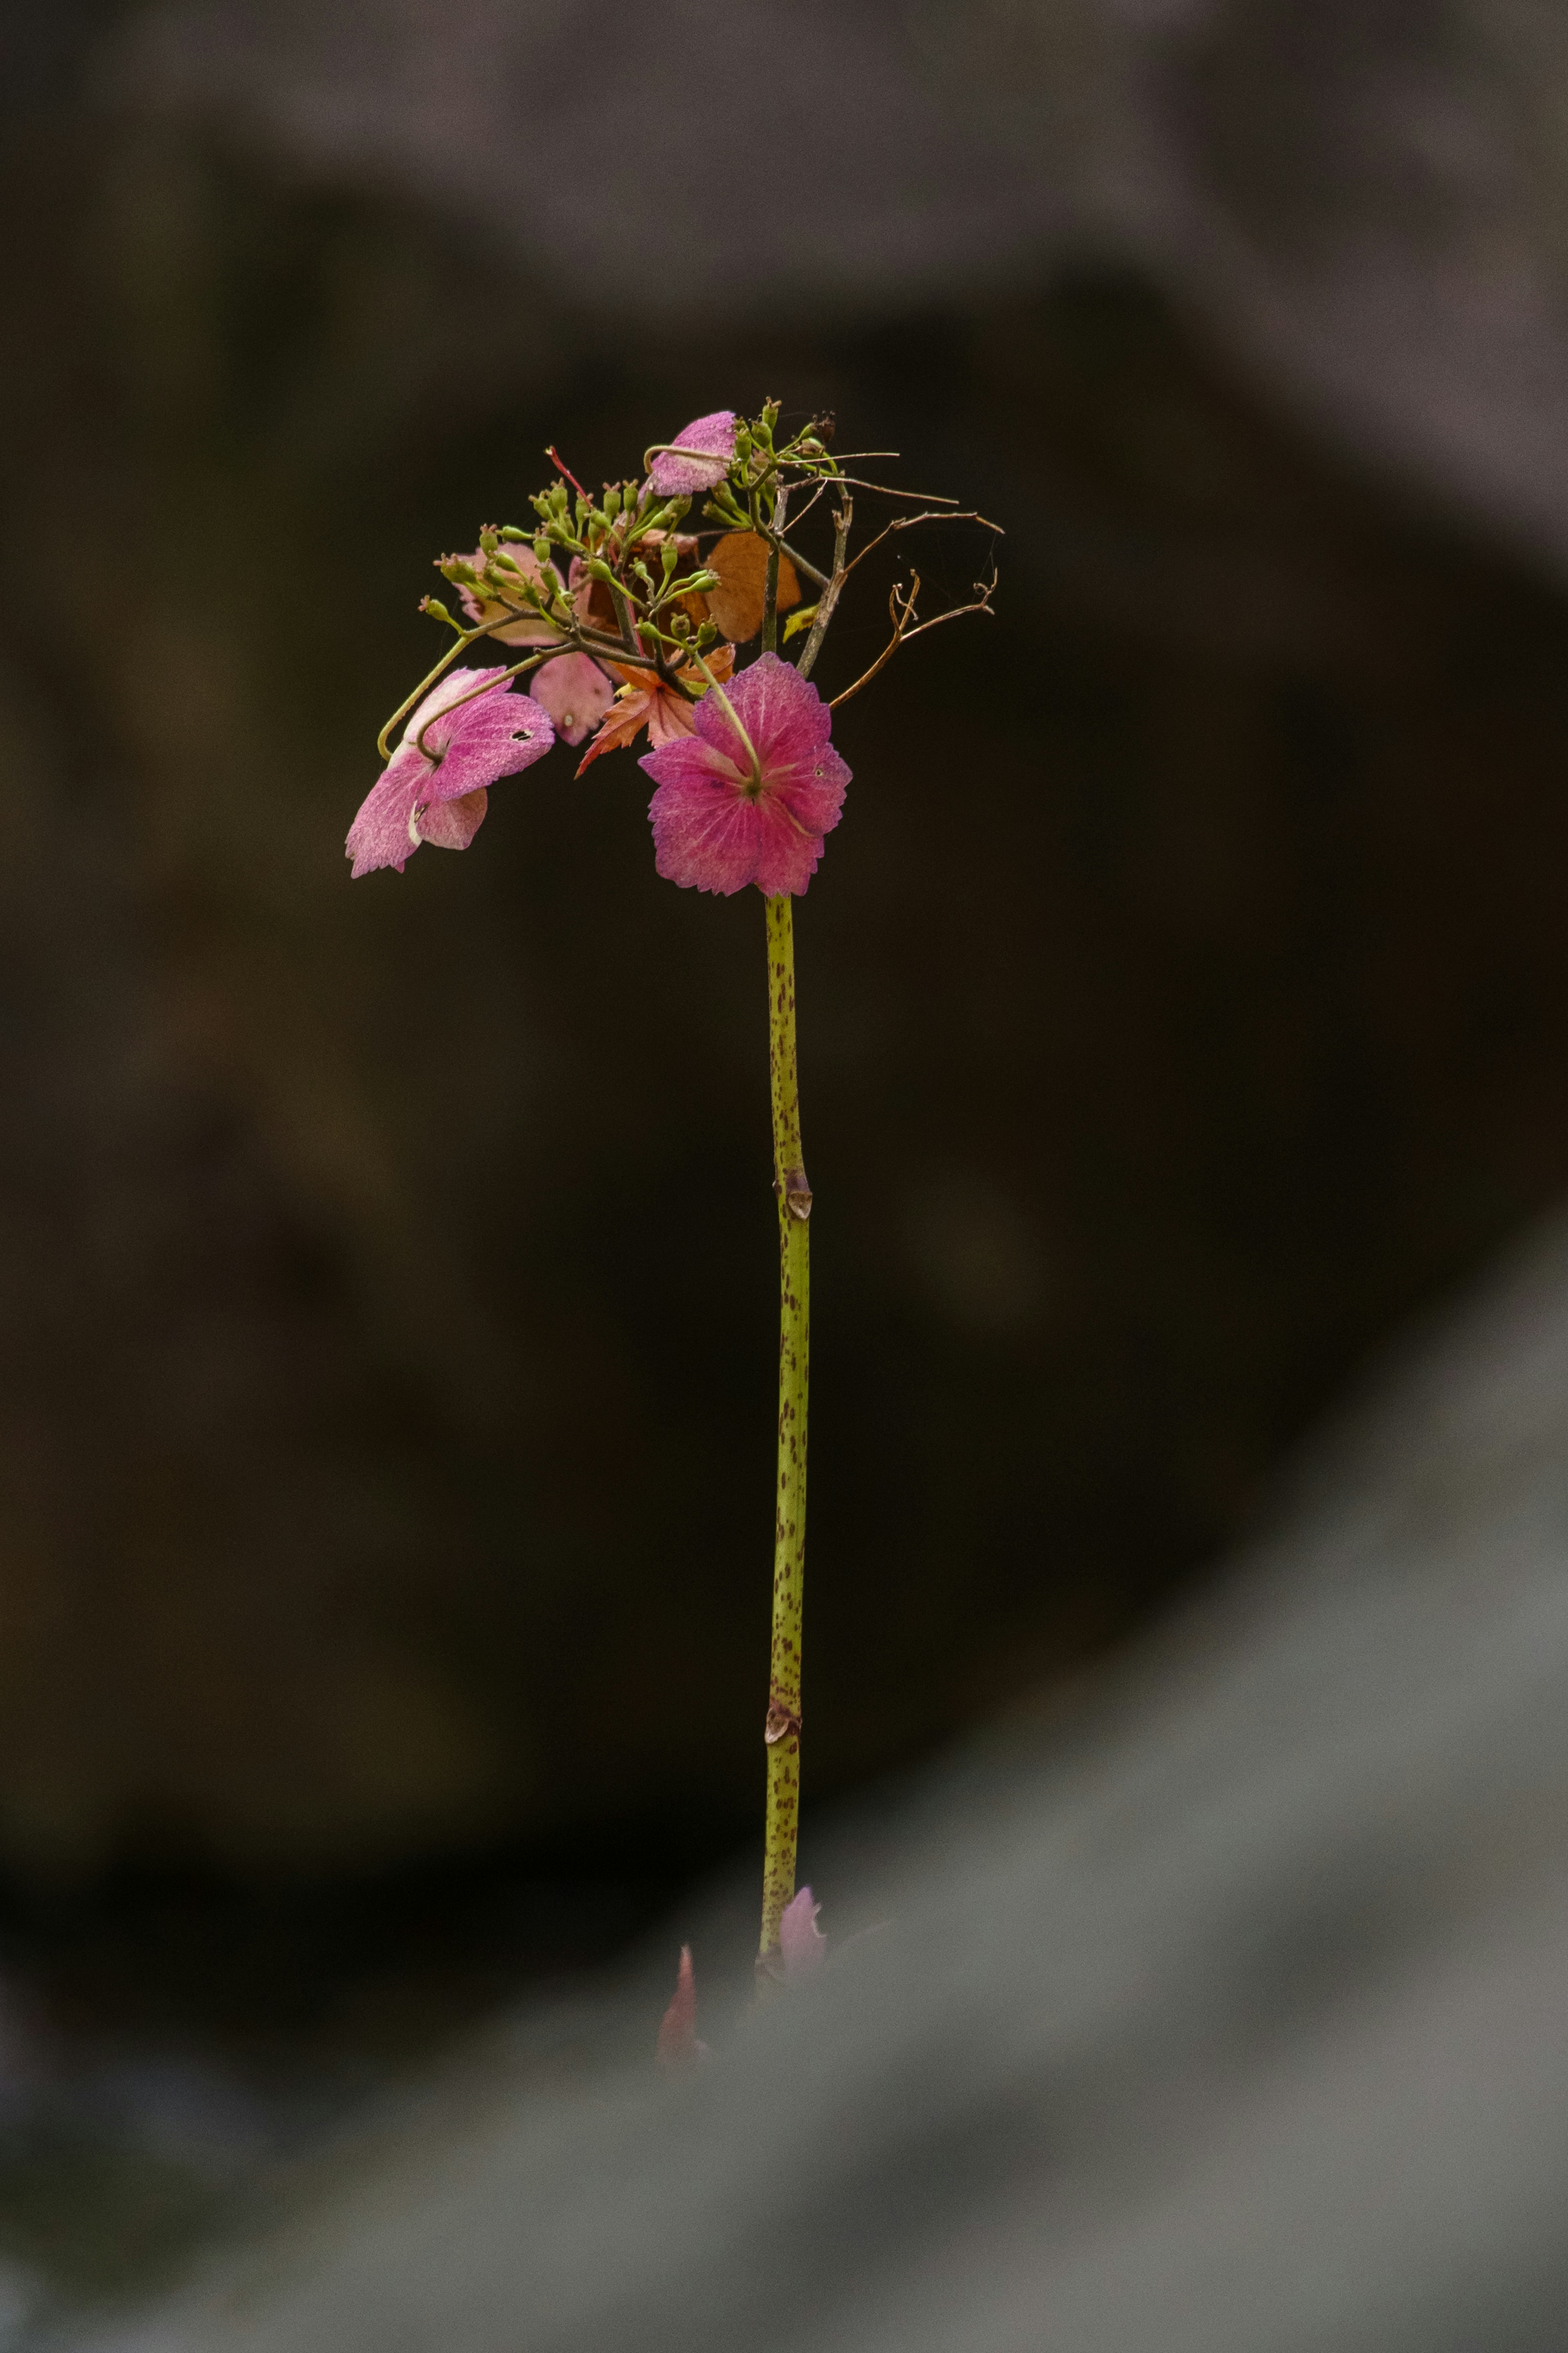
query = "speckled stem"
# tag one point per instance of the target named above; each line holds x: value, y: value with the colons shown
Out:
x: 781, y: 1730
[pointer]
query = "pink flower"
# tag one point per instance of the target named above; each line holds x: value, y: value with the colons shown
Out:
x: 802, y: 1944
x: 749, y: 795
x: 710, y: 441
x: 575, y: 691
x: 436, y: 790
x: 678, y: 2050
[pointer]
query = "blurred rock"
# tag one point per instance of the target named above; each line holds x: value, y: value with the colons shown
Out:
x: 1221, y: 2015
x: 386, y: 1414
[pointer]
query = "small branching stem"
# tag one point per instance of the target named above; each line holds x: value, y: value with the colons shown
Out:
x: 783, y: 1728
x: 842, y: 520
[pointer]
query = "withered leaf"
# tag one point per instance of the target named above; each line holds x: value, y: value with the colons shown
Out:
x: 741, y: 559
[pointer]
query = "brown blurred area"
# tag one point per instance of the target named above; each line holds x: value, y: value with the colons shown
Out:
x: 386, y: 1273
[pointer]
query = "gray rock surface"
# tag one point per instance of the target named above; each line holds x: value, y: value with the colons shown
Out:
x: 1366, y: 197
x: 1224, y: 2016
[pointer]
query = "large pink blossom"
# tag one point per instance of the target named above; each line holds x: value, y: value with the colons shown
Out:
x: 436, y: 790
x: 721, y: 817
x: 698, y: 458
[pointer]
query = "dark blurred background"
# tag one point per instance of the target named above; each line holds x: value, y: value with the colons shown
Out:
x: 387, y: 1274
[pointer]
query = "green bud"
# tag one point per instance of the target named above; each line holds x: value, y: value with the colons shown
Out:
x: 460, y: 572
x: 669, y: 556
x: 542, y: 548
x: 611, y: 504
x: 597, y: 569
x: 696, y: 582
x: 434, y: 606
x: 488, y: 541
x: 509, y: 531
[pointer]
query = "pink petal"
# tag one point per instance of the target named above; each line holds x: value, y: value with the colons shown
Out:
x: 452, y: 825
x: 575, y: 693
x: 477, y: 737
x: 800, y: 1942
x: 678, y: 2050
x: 788, y: 853
x: 469, y: 745
x: 712, y: 442
x: 379, y: 835
x: 705, y: 834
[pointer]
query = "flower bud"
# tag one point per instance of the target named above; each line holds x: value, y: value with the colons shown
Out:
x: 541, y: 548
x: 488, y: 541
x: 611, y: 504
x: 669, y: 556
x: 597, y: 569
x: 510, y: 532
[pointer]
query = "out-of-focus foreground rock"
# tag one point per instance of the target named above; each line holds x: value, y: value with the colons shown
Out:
x: 1225, y: 2018
x: 385, y: 1274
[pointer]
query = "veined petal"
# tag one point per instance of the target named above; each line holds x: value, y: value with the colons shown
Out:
x: 575, y: 691
x: 705, y: 834
x: 379, y: 834
x: 450, y: 825
x: 698, y: 458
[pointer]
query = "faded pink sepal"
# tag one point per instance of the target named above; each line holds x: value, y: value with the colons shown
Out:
x: 717, y: 827
x: 575, y: 691
x: 679, y: 2052
x: 698, y: 458
x: 802, y: 1945
x: 530, y: 629
x: 436, y: 791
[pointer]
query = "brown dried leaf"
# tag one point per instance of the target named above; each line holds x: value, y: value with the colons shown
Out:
x: 741, y: 559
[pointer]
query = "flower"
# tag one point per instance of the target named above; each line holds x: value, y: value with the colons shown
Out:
x: 710, y: 442
x: 678, y: 2050
x: 749, y: 796
x: 575, y: 691
x: 802, y: 1944
x: 647, y: 701
x: 434, y: 787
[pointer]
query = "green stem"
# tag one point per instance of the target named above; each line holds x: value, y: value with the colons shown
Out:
x: 783, y: 1730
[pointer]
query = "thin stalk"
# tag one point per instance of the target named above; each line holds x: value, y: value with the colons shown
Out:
x: 834, y: 590
x: 771, y: 591
x: 782, y: 1729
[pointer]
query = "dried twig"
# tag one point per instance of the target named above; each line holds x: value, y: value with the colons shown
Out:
x: 902, y: 609
x: 907, y: 522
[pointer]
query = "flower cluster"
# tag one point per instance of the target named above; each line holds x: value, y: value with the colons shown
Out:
x: 623, y: 621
